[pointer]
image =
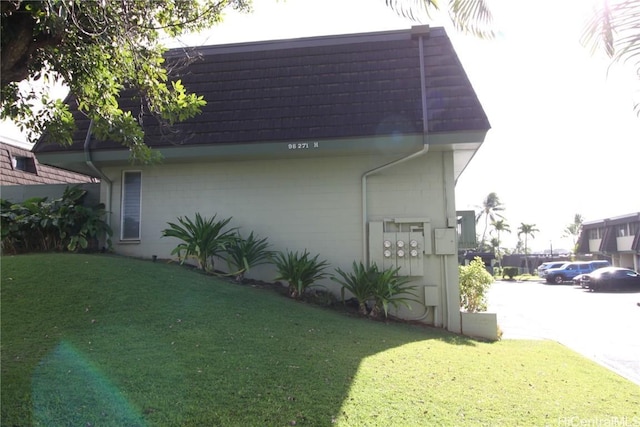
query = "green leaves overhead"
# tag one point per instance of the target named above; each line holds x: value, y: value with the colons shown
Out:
x: 98, y: 50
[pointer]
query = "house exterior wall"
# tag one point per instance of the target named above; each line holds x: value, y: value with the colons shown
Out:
x: 310, y: 203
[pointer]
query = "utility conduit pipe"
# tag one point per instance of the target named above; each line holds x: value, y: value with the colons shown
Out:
x: 94, y: 168
x: 421, y: 33
x: 365, y: 213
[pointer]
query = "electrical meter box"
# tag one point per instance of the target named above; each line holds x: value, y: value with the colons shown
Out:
x: 400, y: 243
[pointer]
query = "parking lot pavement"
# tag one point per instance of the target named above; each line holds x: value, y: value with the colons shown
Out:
x: 603, y: 326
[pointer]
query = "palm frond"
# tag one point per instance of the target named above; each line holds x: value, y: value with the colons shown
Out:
x: 615, y: 30
x: 472, y: 16
x: 468, y: 16
x: 414, y: 9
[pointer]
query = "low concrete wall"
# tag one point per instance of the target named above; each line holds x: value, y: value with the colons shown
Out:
x: 481, y: 325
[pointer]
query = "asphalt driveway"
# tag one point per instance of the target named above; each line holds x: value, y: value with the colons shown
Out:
x: 602, y: 326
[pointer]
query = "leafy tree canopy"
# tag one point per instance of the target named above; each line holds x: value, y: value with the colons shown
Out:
x: 98, y: 49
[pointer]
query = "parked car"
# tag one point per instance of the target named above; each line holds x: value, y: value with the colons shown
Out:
x: 612, y: 278
x: 580, y: 279
x: 571, y: 269
x: 542, y: 268
x: 599, y: 264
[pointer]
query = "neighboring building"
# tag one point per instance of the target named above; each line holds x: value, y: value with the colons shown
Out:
x: 19, y: 166
x: 23, y: 177
x: 342, y: 145
x: 617, y: 237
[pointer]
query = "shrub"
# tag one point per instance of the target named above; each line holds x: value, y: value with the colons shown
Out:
x: 509, y: 272
x: 384, y: 287
x: 38, y: 224
x: 474, y: 284
x: 243, y: 254
x: 202, y: 239
x: 300, y: 271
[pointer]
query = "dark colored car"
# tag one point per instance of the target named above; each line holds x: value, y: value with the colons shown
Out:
x: 612, y: 278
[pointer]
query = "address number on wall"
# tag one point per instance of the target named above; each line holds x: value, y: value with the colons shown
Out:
x: 303, y: 145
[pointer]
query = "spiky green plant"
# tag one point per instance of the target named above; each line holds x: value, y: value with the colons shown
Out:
x: 359, y: 282
x: 389, y: 289
x: 384, y: 287
x: 202, y: 239
x: 243, y: 254
x: 300, y: 271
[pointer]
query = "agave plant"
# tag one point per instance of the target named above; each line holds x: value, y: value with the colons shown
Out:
x: 243, y: 254
x: 359, y: 283
x: 300, y: 271
x: 202, y: 239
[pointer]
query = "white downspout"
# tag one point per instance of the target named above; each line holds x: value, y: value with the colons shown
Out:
x: 423, y: 151
x: 103, y: 177
x: 365, y: 252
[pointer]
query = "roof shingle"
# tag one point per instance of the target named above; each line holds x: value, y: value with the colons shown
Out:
x: 35, y: 173
x: 317, y: 88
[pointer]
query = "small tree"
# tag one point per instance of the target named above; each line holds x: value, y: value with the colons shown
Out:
x: 573, y: 231
x: 474, y: 284
x: 499, y: 226
x: 527, y: 230
x: 491, y: 210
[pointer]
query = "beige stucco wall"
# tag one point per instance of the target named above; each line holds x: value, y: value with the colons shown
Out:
x: 310, y: 203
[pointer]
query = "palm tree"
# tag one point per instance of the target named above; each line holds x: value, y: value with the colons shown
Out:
x: 573, y: 230
x: 500, y: 226
x: 527, y: 230
x: 490, y: 210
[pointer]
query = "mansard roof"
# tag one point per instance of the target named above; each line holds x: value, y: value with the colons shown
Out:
x: 358, y: 85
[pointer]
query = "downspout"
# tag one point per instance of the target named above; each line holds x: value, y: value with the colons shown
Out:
x: 421, y: 33
x: 103, y: 177
x: 365, y: 252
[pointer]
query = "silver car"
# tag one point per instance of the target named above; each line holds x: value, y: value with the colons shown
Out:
x: 542, y: 268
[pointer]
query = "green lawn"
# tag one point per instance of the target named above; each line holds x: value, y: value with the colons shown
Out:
x: 109, y: 341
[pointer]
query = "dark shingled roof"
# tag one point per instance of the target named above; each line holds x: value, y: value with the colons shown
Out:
x: 20, y: 167
x: 317, y: 88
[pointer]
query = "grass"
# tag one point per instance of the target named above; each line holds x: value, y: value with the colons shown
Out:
x: 110, y: 341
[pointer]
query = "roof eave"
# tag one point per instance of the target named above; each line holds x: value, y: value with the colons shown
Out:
x: 464, y: 144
